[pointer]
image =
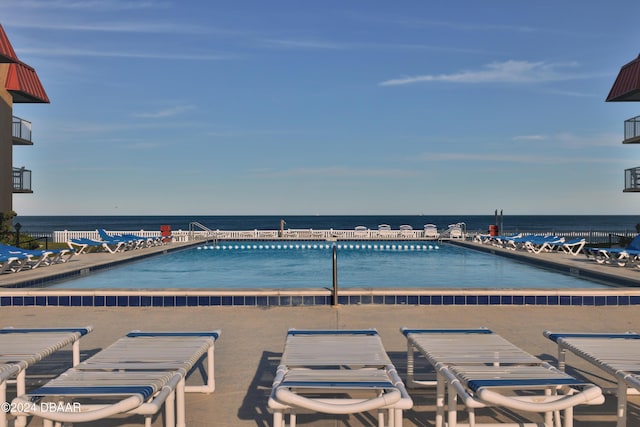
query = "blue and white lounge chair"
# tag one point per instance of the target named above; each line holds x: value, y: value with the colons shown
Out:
x: 83, y: 245
x: 617, y: 354
x: 485, y: 370
x: 121, y: 243
x: 21, y: 348
x: 621, y: 256
x: 571, y: 246
x: 34, y: 258
x: 538, y: 244
x: 138, y: 374
x: 337, y: 372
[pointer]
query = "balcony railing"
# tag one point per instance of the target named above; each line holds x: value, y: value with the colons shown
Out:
x: 21, y: 130
x: 21, y: 180
x: 632, y: 180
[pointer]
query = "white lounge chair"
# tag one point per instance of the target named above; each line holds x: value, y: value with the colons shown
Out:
x: 406, y: 231
x: 539, y: 244
x: 573, y: 246
x: 385, y: 232
x: 337, y: 372
x: 431, y: 231
x: 10, y: 263
x: 361, y: 232
x: 20, y: 348
x: 617, y: 354
x: 485, y: 370
x: 137, y: 374
x: 456, y: 231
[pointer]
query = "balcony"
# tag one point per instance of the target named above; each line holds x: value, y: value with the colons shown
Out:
x: 632, y: 180
x: 21, y: 131
x: 22, y: 180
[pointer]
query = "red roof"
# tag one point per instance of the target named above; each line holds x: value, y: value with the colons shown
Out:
x: 22, y: 81
x: 7, y: 54
x: 24, y: 84
x: 627, y: 84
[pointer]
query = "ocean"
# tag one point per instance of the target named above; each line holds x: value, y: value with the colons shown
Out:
x: 474, y: 223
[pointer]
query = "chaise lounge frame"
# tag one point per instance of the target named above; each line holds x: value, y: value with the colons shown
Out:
x: 482, y: 369
x: 143, y: 371
x: 617, y: 354
x: 337, y: 372
x: 21, y: 348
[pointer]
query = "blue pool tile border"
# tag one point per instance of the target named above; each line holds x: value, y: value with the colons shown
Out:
x: 302, y: 300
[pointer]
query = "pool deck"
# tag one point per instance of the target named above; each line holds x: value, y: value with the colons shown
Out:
x: 253, y: 337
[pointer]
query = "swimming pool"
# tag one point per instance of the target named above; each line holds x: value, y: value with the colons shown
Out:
x: 309, y: 265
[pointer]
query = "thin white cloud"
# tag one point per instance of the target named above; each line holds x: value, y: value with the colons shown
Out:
x: 169, y: 112
x: 305, y: 44
x: 529, y: 138
x: 333, y: 172
x: 333, y: 45
x: 92, y: 5
x: 515, y: 158
x: 243, y: 133
x: 57, y: 52
x: 116, y: 27
x: 511, y: 71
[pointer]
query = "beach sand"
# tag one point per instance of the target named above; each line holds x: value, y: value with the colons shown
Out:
x: 252, y: 340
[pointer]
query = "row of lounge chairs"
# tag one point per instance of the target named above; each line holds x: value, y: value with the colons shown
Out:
x: 623, y: 257
x: 349, y: 371
x: 320, y: 371
x: 14, y: 259
x: 114, y: 243
x: 534, y: 243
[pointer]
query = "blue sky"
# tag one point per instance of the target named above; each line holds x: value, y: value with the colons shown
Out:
x: 332, y: 107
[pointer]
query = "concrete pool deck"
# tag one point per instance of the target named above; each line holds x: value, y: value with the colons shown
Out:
x: 253, y: 337
x: 248, y: 351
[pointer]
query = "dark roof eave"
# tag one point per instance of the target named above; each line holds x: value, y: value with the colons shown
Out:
x: 630, y: 96
x: 20, y: 97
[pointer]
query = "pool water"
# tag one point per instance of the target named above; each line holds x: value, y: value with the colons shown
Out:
x: 276, y: 265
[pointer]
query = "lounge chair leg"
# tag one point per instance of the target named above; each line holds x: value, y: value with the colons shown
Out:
x: 410, y: 363
x: 398, y: 417
x: 452, y: 407
x: 3, y: 398
x: 21, y: 389
x: 170, y: 409
x: 622, y: 404
x: 381, y: 417
x: 211, y: 382
x: 76, y: 352
x: 277, y: 419
x: 440, y: 390
x: 472, y: 417
x: 180, y: 404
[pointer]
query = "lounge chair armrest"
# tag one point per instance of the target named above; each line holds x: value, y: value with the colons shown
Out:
x: 591, y: 395
x: 284, y: 395
x: 123, y: 406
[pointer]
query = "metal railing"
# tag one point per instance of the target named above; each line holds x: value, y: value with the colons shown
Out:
x: 591, y: 236
x: 21, y: 129
x: 21, y: 180
x: 632, y: 179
